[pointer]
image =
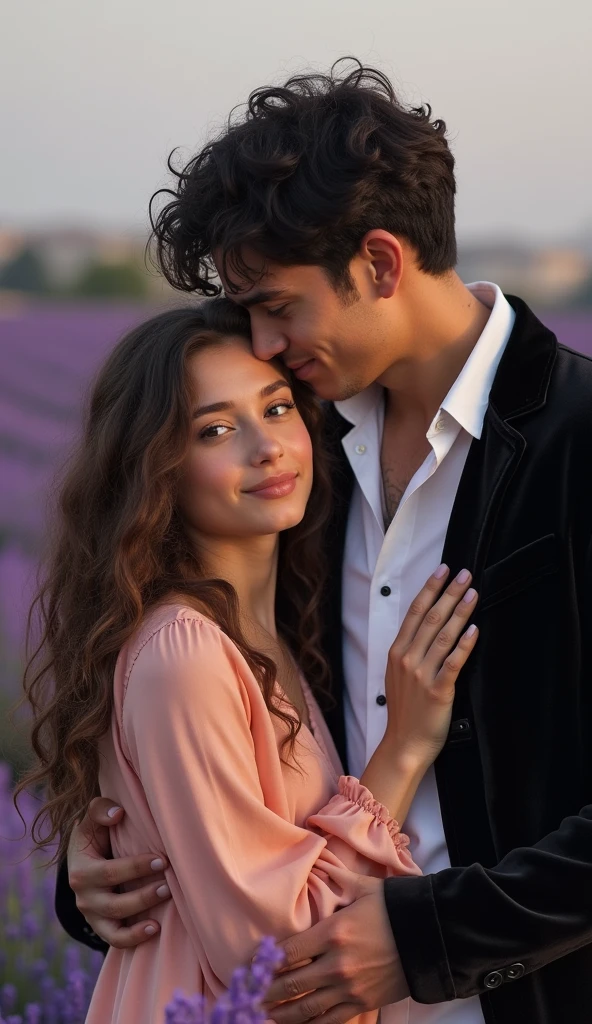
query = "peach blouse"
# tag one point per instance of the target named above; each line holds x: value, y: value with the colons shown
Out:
x: 256, y: 846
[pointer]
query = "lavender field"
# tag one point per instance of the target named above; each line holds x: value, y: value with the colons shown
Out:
x: 49, y: 355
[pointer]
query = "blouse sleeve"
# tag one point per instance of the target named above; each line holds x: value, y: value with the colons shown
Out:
x: 238, y: 869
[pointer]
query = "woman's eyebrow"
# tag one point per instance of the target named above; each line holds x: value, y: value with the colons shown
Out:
x: 269, y: 389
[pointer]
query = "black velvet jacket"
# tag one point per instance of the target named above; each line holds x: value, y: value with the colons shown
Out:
x: 511, y: 920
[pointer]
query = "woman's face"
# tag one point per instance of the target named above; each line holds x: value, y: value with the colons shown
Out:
x: 249, y: 468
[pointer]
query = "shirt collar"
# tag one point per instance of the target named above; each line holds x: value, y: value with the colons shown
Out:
x: 467, y: 399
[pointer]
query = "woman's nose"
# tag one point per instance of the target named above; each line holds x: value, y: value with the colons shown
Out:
x: 266, y: 449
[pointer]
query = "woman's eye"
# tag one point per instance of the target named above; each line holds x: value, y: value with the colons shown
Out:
x: 212, y: 431
x: 278, y: 311
x: 280, y: 408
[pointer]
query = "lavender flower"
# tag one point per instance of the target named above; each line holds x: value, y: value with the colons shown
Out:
x: 8, y: 996
x: 185, y: 1009
x: 242, y: 1003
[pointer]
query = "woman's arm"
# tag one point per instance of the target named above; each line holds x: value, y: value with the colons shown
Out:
x: 208, y: 765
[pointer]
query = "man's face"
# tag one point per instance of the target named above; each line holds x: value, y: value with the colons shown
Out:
x: 338, y: 343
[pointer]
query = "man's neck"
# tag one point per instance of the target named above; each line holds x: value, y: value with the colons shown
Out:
x: 444, y: 324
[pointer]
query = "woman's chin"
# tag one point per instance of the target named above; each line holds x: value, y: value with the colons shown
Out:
x: 279, y: 519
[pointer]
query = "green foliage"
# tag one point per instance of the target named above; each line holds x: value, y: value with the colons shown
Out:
x: 111, y: 281
x: 24, y: 273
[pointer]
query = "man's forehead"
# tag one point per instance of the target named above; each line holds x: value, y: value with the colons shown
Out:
x: 239, y: 285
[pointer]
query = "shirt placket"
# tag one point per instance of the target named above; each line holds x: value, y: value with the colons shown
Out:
x: 385, y: 609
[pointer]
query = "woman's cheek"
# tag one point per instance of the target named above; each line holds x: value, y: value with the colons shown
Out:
x: 206, y: 491
x: 303, y: 451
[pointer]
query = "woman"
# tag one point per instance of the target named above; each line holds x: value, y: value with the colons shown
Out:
x: 177, y: 691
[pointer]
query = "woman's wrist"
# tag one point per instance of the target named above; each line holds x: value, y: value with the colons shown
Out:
x: 407, y: 759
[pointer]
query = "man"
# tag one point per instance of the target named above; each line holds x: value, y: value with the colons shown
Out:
x: 462, y: 434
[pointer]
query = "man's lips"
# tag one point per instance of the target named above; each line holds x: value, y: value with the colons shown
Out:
x: 302, y: 369
x: 274, y: 486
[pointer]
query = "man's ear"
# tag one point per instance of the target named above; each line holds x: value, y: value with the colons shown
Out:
x: 383, y: 256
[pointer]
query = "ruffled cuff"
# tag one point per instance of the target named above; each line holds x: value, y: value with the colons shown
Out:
x: 352, y: 789
x: 354, y: 819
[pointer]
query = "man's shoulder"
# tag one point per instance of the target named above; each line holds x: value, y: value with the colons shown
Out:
x: 571, y: 384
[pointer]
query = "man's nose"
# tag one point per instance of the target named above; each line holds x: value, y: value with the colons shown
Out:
x: 268, y: 344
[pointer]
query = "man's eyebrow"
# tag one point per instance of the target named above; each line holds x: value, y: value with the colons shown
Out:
x: 269, y: 389
x: 262, y: 295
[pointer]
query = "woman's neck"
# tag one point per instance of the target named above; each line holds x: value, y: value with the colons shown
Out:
x: 250, y: 565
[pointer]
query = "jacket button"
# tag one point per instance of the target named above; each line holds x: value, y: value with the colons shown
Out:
x: 493, y: 980
x: 385, y: 591
x: 381, y: 700
x: 515, y: 971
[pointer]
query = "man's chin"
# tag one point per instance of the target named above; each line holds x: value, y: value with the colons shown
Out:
x: 337, y: 390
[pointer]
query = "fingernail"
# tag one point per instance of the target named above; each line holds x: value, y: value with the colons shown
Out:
x: 162, y: 891
x: 441, y: 571
x: 150, y: 929
x: 471, y: 631
x: 470, y: 594
x: 112, y: 811
x: 463, y: 576
x: 157, y: 864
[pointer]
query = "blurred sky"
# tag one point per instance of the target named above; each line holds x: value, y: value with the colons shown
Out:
x: 95, y: 94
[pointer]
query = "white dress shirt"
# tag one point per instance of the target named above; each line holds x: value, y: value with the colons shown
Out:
x: 402, y: 559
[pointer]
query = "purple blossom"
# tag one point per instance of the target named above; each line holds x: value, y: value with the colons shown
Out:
x: 242, y: 1003
x: 76, y: 1002
x: 184, y: 1009
x: 8, y: 995
x: 31, y: 927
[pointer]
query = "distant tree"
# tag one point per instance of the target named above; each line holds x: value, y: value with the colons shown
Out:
x: 111, y: 281
x: 583, y: 296
x: 24, y: 273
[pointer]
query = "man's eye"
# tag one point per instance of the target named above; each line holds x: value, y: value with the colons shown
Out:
x: 280, y: 408
x: 278, y: 311
x: 212, y: 431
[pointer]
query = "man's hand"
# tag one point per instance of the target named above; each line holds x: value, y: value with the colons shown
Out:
x: 355, y: 965
x: 94, y: 878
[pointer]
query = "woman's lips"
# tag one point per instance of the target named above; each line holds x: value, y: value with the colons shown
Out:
x: 275, y: 486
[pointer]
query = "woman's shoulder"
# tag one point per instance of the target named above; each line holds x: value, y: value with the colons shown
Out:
x: 174, y: 632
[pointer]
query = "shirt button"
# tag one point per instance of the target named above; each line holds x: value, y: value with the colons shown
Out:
x: 439, y: 425
x: 385, y: 591
x: 360, y: 449
x: 381, y: 700
x: 493, y: 980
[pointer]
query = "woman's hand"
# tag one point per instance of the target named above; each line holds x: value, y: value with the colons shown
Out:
x: 423, y: 666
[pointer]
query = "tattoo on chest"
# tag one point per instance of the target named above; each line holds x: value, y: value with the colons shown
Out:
x: 393, y: 492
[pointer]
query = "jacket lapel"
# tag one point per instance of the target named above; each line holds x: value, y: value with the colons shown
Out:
x: 520, y: 387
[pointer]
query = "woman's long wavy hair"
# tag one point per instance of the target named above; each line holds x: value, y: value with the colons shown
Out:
x: 118, y: 547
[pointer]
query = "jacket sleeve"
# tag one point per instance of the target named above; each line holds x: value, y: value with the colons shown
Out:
x: 457, y: 928
x: 69, y: 916
x: 213, y: 783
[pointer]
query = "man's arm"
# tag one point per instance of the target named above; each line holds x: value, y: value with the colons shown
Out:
x: 455, y: 929
x: 86, y: 904
x: 438, y: 937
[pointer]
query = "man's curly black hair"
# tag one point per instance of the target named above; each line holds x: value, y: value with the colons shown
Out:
x: 301, y: 173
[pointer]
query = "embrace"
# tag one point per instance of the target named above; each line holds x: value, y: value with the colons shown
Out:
x: 317, y: 614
